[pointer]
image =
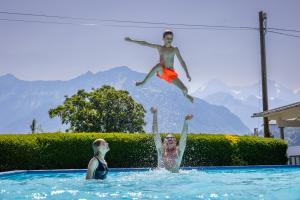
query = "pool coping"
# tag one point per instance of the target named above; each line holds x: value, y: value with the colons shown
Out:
x: 204, y: 168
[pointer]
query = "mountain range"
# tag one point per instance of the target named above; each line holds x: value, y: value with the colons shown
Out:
x: 21, y: 101
x: 244, y: 101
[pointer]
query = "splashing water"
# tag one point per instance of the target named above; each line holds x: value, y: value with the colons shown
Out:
x: 256, y: 183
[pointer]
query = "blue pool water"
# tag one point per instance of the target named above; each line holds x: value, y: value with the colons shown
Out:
x: 220, y: 183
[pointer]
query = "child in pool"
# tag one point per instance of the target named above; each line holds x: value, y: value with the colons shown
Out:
x: 168, y: 153
x: 97, y: 168
x: 165, y: 68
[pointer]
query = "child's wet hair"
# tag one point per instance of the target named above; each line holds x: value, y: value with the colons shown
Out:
x: 96, y: 144
x: 167, y: 32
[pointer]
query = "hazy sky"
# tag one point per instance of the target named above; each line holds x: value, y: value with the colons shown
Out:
x: 33, y: 51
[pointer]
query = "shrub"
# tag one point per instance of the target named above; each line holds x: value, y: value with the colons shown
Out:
x: 73, y: 150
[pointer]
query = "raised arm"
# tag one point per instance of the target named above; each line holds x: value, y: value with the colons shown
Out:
x: 144, y: 43
x: 157, y: 138
x: 183, y: 136
x: 177, y: 52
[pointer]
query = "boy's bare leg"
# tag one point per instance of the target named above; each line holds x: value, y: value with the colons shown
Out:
x: 181, y: 86
x: 153, y: 71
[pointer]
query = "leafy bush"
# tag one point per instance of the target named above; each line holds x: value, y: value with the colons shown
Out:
x: 73, y: 150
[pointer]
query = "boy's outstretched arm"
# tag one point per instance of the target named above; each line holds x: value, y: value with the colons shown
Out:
x: 177, y: 52
x: 183, y: 136
x: 144, y: 43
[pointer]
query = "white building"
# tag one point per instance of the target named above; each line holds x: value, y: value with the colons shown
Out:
x: 285, y: 116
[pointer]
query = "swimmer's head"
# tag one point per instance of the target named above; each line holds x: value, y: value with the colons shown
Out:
x: 100, y: 146
x: 170, y: 142
x: 168, y: 37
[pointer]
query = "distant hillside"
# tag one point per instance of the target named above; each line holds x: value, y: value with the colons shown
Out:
x: 244, y: 101
x: 21, y: 101
x: 278, y: 93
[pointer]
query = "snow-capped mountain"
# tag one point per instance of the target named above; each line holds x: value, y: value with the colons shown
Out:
x: 21, y: 101
x: 244, y: 101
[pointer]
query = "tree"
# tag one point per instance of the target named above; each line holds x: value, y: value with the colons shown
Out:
x: 33, y: 126
x: 103, y: 109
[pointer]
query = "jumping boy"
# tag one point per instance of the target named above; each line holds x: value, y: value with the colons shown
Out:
x: 165, y: 68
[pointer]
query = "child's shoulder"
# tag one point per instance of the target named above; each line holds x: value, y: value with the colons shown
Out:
x: 175, y: 49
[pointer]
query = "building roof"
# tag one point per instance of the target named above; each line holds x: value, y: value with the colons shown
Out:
x: 291, y: 111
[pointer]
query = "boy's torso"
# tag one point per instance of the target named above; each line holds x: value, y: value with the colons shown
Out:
x: 167, y: 56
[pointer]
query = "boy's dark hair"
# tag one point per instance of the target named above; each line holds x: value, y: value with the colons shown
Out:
x: 167, y: 32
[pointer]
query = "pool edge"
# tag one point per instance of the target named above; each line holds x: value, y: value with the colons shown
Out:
x: 13, y: 172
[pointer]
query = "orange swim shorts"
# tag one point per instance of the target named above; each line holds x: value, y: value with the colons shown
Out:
x: 167, y: 74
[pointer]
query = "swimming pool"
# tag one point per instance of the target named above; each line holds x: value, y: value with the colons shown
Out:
x: 257, y: 182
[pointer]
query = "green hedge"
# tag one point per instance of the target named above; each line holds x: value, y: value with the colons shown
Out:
x: 73, y: 150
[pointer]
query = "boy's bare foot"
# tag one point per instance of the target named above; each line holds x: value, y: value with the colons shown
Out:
x: 190, y: 98
x: 139, y: 83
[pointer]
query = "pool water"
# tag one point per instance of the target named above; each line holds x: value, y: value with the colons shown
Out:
x: 239, y: 183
